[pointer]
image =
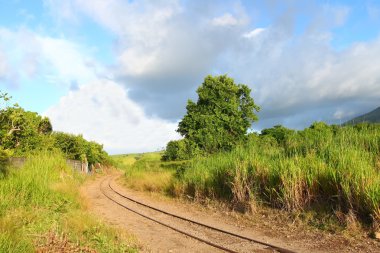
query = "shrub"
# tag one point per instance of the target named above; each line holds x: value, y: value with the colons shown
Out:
x: 76, y: 147
x: 4, y: 161
x: 337, y: 167
x: 42, y: 199
x: 180, y: 150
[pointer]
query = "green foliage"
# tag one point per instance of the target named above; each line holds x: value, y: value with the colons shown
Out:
x: 4, y: 97
x: 73, y: 146
x: 20, y: 130
x: 221, y: 116
x: 179, y: 150
x: 147, y: 171
x: 278, y: 132
x: 372, y: 117
x: 23, y: 132
x: 330, y: 166
x: 77, y: 148
x: 42, y: 198
x: 96, y: 154
x: 45, y: 127
x: 4, y: 160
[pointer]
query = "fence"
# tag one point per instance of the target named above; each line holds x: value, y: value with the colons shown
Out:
x: 17, y: 162
x: 79, y: 166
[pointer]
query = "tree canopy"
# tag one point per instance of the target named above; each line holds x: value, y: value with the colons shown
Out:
x: 22, y: 132
x: 22, y: 129
x: 278, y: 132
x: 221, y: 116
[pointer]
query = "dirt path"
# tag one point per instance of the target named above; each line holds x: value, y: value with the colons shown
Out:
x: 157, y: 238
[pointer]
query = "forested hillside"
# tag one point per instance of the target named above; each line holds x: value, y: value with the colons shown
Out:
x: 371, y: 117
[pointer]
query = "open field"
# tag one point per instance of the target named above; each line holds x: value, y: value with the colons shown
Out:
x: 41, y: 210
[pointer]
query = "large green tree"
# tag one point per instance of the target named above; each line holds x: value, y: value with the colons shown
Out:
x: 22, y: 130
x: 221, y: 116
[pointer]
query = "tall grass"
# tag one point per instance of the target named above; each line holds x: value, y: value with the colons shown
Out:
x: 41, y: 199
x: 336, y: 167
x: 146, y: 172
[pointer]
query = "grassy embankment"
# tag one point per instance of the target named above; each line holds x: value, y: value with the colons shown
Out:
x: 41, y: 210
x: 329, y: 171
x: 146, y: 172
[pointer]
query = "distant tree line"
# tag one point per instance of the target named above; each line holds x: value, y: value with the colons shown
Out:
x: 22, y: 132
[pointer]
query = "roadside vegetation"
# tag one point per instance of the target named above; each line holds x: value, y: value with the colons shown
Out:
x: 327, y: 172
x: 327, y: 168
x: 41, y: 209
x: 146, y: 172
x: 22, y: 132
x: 330, y: 173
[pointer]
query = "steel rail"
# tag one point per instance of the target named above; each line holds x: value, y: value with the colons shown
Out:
x: 279, y: 249
x: 166, y: 225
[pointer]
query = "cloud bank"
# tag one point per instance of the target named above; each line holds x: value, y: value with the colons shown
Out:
x: 166, y: 48
x: 103, y: 112
x: 285, y: 51
x: 26, y: 54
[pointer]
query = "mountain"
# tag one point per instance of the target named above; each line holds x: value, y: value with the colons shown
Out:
x: 372, y: 117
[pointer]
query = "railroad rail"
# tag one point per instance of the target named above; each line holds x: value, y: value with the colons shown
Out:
x: 215, y: 245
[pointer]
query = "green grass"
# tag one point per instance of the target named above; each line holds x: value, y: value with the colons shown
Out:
x: 338, y: 169
x: 147, y: 172
x: 323, y: 172
x: 41, y: 201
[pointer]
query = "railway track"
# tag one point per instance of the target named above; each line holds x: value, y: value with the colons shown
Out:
x: 200, y: 231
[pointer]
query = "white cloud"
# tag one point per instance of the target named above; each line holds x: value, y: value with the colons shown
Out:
x: 254, y: 33
x: 100, y: 110
x: 339, y: 14
x: 301, y: 74
x: 103, y: 112
x: 135, y: 63
x: 63, y: 11
x: 373, y: 11
x: 141, y: 28
x: 59, y: 60
x: 3, y: 65
x: 68, y: 61
x: 163, y: 50
x: 16, y: 59
x: 344, y: 114
x: 227, y: 20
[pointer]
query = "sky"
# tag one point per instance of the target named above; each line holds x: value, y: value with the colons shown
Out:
x: 120, y: 72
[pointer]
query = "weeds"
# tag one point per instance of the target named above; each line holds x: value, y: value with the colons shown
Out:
x: 337, y: 168
x: 334, y: 169
x: 147, y: 173
x: 42, y: 199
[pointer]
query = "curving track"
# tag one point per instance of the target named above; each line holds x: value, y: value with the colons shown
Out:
x: 218, y: 238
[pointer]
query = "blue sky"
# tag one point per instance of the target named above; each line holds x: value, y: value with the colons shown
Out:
x: 120, y: 72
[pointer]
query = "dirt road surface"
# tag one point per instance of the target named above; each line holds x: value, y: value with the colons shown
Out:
x: 157, y: 238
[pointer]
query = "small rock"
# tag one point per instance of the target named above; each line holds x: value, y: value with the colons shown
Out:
x: 377, y: 235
